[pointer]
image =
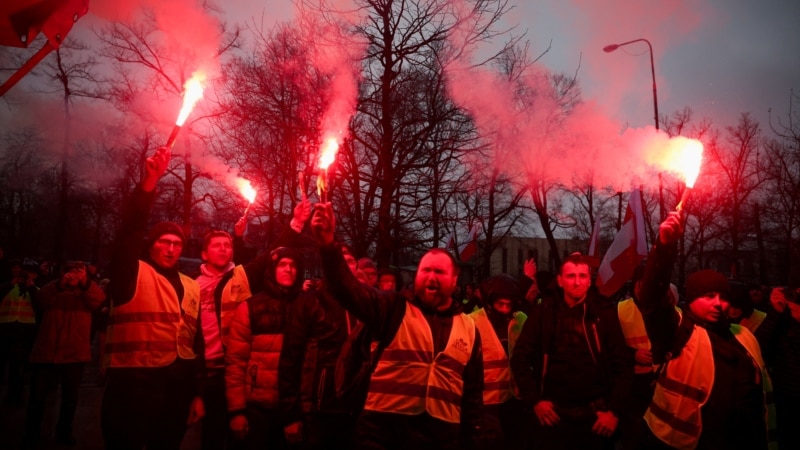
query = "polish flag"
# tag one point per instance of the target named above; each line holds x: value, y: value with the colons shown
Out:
x: 626, y: 252
x: 469, y: 248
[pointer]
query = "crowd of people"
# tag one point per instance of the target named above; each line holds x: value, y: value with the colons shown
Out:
x: 262, y: 355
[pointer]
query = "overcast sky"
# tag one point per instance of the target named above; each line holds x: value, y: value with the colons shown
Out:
x: 719, y: 57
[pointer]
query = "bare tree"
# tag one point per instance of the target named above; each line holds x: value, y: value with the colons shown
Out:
x: 396, y: 135
x: 269, y: 121
x: 780, y: 207
x: 737, y: 162
x: 145, y: 66
x: 22, y: 172
x: 72, y: 73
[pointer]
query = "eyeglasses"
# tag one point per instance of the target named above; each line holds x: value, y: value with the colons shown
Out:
x: 169, y: 243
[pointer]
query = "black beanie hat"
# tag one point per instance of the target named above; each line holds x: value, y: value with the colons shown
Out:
x: 705, y: 281
x: 501, y: 286
x: 162, y: 228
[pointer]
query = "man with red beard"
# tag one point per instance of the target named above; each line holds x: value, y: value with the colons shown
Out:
x: 426, y: 389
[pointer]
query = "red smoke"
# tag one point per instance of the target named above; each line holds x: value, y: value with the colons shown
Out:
x: 584, y: 146
x: 188, y: 30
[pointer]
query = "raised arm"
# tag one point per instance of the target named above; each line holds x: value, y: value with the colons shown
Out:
x: 124, y: 264
x: 369, y: 305
x: 660, y: 317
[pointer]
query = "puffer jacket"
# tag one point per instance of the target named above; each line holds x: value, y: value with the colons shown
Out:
x: 255, y: 342
x: 254, y: 348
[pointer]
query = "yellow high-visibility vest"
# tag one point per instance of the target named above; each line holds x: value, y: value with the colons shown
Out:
x: 410, y: 379
x: 151, y: 330
x: 17, y: 307
x: 674, y: 415
x: 498, y: 381
x: 236, y: 290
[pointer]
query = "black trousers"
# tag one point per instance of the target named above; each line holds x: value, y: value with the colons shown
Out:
x: 323, y: 431
x: 787, y: 409
x: 16, y: 341
x: 265, y: 430
x: 216, y: 424
x: 45, y: 379
x: 569, y: 433
x: 146, y: 408
x: 378, y: 430
x: 631, y: 425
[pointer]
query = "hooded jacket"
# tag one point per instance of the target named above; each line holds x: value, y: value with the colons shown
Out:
x: 256, y: 338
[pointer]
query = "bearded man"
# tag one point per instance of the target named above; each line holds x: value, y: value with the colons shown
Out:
x: 426, y: 389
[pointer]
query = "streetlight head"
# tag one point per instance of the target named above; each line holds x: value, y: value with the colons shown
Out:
x: 610, y: 48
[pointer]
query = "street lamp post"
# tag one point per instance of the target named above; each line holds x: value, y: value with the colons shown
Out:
x: 610, y: 48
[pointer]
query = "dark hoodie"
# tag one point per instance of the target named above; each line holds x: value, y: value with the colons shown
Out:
x: 268, y: 307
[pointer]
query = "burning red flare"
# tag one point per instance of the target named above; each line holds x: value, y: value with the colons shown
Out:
x: 689, y: 158
x: 192, y: 93
x: 247, y: 191
x: 327, y: 155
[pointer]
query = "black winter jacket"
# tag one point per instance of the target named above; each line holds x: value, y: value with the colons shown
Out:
x: 313, y: 337
x: 602, y: 345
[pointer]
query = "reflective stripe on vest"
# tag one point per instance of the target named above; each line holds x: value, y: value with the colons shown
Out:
x: 750, y: 343
x: 17, y: 307
x: 150, y: 330
x: 236, y: 290
x: 674, y: 415
x: 754, y: 321
x: 634, y: 330
x: 499, y: 385
x: 409, y: 379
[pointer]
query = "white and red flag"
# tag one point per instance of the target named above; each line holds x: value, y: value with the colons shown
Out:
x: 470, y: 247
x: 626, y: 252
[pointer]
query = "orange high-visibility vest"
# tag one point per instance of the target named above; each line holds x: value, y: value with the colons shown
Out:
x: 498, y: 381
x: 674, y: 415
x: 236, y: 290
x: 151, y: 330
x: 410, y: 379
x: 17, y: 307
